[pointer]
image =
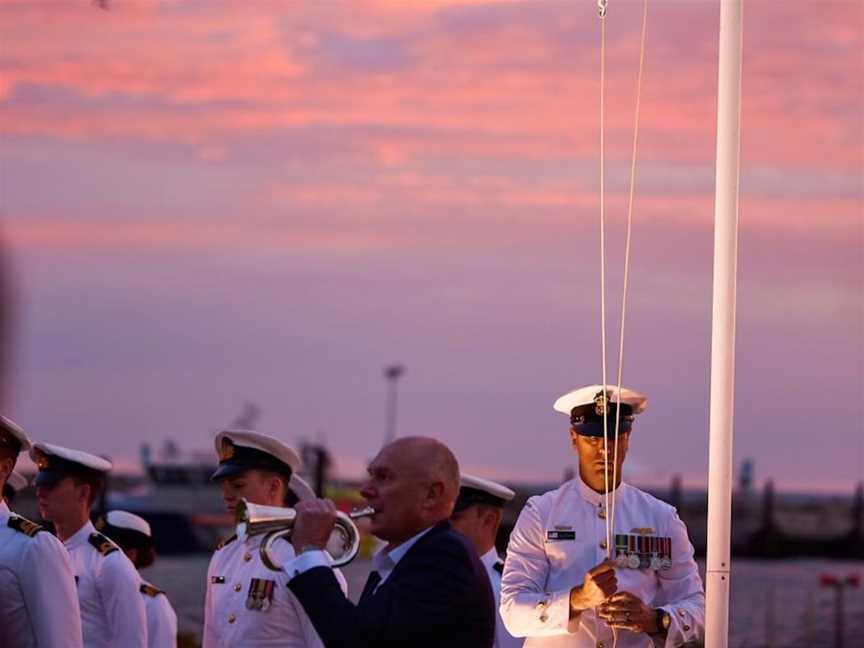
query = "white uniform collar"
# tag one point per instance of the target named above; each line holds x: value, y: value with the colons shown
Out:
x: 490, y: 558
x: 81, y: 536
x: 598, y: 499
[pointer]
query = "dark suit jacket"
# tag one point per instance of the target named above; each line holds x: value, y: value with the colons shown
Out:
x: 437, y: 596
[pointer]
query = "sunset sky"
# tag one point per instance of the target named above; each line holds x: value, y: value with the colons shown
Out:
x: 208, y: 203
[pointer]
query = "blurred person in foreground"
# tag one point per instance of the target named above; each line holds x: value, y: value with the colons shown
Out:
x: 429, y: 588
x: 14, y: 485
x: 477, y: 515
x: 559, y: 589
x: 248, y: 604
x: 38, y: 601
x: 132, y: 533
x: 68, y: 483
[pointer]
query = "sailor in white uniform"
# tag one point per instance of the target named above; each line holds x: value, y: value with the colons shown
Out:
x: 248, y: 604
x: 477, y: 515
x: 38, y: 601
x: 15, y: 483
x: 67, y: 484
x: 132, y: 533
x: 559, y: 589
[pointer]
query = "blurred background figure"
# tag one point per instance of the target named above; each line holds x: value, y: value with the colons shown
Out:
x: 14, y: 485
x: 132, y: 533
x: 477, y: 515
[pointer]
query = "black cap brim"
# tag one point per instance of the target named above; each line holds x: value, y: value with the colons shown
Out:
x: 594, y: 428
x: 48, y: 478
x: 228, y: 470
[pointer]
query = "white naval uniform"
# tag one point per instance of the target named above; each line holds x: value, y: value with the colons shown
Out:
x: 540, y: 570
x: 231, y: 619
x: 161, y: 618
x: 38, y: 601
x: 112, y: 610
x: 493, y: 563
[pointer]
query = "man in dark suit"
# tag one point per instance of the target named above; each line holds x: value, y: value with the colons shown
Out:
x: 429, y: 588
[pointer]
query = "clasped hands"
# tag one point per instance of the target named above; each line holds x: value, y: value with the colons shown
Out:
x: 622, y: 610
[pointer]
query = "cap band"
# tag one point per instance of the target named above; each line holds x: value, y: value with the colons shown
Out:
x: 471, y: 496
x: 126, y: 538
x: 53, y: 468
x: 235, y: 459
x: 594, y: 428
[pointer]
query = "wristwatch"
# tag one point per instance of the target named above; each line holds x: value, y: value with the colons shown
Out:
x: 664, y: 620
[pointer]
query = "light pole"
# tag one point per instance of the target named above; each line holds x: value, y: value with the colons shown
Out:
x: 392, y: 374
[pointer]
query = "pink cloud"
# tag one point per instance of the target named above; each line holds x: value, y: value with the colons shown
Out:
x: 512, y: 81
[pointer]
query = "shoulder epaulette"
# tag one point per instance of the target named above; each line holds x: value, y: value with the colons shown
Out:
x: 226, y: 541
x: 25, y: 526
x: 499, y: 567
x: 103, y: 545
x: 149, y: 590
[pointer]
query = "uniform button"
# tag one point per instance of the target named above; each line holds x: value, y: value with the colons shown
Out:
x: 599, y: 644
x: 231, y: 618
x: 238, y: 587
x: 544, y: 618
x: 686, y: 628
x: 601, y: 514
x: 602, y: 544
x: 247, y: 557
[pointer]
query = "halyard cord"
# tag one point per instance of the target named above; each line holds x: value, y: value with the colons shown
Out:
x: 610, y: 512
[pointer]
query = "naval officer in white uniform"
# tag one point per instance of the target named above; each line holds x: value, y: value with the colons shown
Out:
x: 247, y: 604
x: 477, y: 515
x: 132, y: 533
x: 38, y: 601
x: 559, y: 589
x: 67, y: 484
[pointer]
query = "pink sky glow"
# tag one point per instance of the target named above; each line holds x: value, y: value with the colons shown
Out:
x: 206, y: 203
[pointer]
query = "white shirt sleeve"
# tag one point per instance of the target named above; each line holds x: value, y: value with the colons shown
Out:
x: 681, y: 592
x: 118, y: 585
x: 527, y: 609
x: 49, y: 593
x: 306, y: 561
x: 161, y: 622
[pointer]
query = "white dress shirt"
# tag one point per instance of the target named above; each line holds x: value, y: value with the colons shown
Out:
x: 503, y: 639
x: 161, y: 618
x: 383, y: 561
x: 38, y: 601
x: 560, y: 535
x: 112, y: 610
x: 234, y: 617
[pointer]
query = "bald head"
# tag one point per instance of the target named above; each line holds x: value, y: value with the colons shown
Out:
x: 413, y: 484
x: 432, y: 461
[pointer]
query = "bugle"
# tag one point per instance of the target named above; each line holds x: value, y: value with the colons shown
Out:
x: 277, y: 522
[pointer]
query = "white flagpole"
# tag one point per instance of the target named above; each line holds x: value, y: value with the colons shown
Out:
x: 723, y: 326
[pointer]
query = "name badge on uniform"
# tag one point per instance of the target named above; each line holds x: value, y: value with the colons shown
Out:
x: 560, y: 533
x: 260, y: 594
x: 639, y: 551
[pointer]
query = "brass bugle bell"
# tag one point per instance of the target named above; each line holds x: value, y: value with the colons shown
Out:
x: 278, y: 522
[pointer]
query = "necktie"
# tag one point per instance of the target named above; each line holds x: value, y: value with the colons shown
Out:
x: 371, y: 584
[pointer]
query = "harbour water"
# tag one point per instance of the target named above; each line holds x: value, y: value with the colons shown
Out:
x: 774, y: 604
